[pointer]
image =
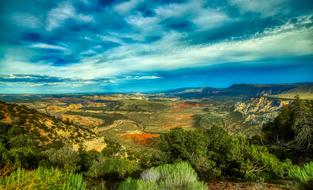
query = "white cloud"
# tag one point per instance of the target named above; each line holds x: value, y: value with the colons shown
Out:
x: 48, y: 46
x: 61, y: 13
x: 142, y: 77
x: 210, y: 19
x: 179, y: 9
x: 127, y: 6
x: 264, y: 7
x: 111, y: 38
x: 140, y: 21
x: 14, y: 76
x: 193, y: 11
x: 58, y: 15
x: 11, y: 65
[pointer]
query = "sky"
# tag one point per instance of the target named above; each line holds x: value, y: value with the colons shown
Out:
x: 74, y: 46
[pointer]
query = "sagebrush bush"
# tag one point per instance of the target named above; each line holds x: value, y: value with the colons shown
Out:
x: 178, y: 176
x: 137, y: 184
x: 152, y: 175
x: 42, y: 179
x: 181, y: 173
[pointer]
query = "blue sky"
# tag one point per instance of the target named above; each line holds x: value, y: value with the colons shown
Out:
x: 143, y: 45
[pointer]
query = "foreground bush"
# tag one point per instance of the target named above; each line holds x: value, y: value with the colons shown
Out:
x: 292, y: 129
x: 137, y: 184
x: 302, y: 175
x: 213, y: 153
x: 179, y: 176
x: 253, y: 163
x: 113, y: 168
x: 42, y: 178
x: 204, y: 149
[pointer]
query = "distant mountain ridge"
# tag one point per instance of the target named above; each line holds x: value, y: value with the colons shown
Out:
x: 243, y: 90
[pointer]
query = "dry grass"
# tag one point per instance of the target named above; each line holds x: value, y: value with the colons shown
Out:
x: 304, y: 96
x: 82, y: 120
x: 141, y: 138
x: 218, y: 185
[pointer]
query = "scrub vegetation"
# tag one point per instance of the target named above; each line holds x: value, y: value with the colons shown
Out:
x: 179, y: 158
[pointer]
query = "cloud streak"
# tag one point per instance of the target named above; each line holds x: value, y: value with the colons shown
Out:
x: 47, y: 46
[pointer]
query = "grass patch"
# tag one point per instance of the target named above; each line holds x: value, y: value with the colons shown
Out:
x: 42, y: 178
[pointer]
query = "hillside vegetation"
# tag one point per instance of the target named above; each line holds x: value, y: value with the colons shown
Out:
x: 43, y: 128
x: 179, y: 159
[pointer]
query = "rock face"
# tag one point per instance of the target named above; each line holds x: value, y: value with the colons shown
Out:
x: 258, y: 111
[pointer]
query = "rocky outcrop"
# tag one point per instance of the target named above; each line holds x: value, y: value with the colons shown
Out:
x: 258, y: 111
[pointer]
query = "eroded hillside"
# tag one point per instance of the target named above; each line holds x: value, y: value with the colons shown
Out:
x: 136, y: 119
x: 46, y: 129
x: 259, y: 110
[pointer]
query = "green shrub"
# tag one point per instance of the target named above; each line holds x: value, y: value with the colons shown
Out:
x: 137, y: 184
x: 292, y: 129
x: 65, y: 158
x: 253, y: 162
x: 113, y: 148
x: 302, y: 174
x: 178, y: 176
x: 23, y: 157
x: 16, y: 130
x: 17, y: 147
x: 117, y: 168
x: 42, y: 178
x: 86, y: 159
x: 213, y: 153
x: 22, y: 141
x: 3, y: 154
x: 204, y: 149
